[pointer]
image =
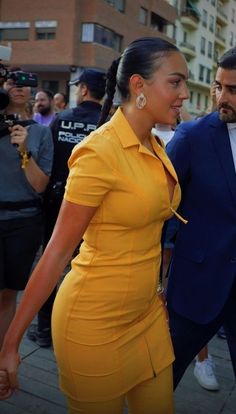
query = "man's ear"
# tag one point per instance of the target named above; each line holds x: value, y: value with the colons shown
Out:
x: 136, y: 84
x: 84, y: 90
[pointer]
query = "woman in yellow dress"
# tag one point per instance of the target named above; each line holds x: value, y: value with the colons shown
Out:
x: 110, y: 333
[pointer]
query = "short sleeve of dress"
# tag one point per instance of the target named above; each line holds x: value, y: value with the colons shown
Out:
x: 91, y: 175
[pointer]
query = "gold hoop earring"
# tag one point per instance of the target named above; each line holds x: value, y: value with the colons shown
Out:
x: 141, y: 101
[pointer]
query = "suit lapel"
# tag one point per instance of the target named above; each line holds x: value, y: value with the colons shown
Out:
x: 221, y: 142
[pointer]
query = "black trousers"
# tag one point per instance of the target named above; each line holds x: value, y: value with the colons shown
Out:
x: 20, y: 239
x: 189, y: 337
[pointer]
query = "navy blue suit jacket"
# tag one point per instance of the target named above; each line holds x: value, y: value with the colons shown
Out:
x: 204, y: 261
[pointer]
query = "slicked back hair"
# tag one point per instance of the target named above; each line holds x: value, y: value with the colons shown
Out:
x: 143, y: 56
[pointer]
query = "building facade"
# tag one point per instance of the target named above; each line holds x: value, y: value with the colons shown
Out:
x: 204, y: 30
x: 57, y: 38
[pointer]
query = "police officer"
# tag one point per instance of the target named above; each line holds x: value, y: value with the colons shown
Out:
x: 69, y: 128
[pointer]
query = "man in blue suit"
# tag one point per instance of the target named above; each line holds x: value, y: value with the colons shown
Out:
x: 201, y: 292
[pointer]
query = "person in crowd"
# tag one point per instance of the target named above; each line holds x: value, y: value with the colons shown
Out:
x: 68, y: 129
x: 26, y: 152
x: 166, y: 132
x: 201, y: 293
x: 60, y: 102
x: 110, y: 332
x: 44, y: 112
x: 204, y: 367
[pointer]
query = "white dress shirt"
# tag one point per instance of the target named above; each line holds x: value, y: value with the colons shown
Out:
x: 232, y: 137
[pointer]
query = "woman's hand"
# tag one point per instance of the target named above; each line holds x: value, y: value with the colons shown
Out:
x: 9, y: 363
x: 18, y: 136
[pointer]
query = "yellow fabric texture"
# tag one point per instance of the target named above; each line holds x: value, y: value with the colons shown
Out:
x: 109, y: 326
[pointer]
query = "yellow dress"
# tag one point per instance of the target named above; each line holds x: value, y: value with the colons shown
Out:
x: 109, y: 326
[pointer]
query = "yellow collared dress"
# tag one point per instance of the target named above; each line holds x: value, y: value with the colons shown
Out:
x: 109, y: 326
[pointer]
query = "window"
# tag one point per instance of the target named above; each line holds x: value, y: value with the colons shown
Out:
x: 210, y: 49
x: 45, y: 29
x: 178, y: 6
x: 174, y: 34
x: 191, y: 97
x: 201, y: 72
x: 213, y: 2
x: 14, y: 30
x: 50, y: 85
x: 203, y: 45
x: 198, y: 101
x: 88, y: 32
x: 45, y: 34
x: 118, y: 4
x: 216, y: 55
x: 143, y: 16
x: 233, y: 16
x: 158, y: 23
x: 231, y: 40
x: 208, y: 75
x: 98, y: 34
x: 206, y: 101
x: 204, y: 18
x: 211, y: 23
x: 14, y: 34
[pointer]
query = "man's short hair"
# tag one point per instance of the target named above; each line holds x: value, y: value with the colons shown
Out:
x: 228, y: 59
x: 47, y: 92
x: 64, y: 96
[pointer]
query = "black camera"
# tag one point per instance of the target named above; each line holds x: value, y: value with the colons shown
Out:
x: 21, y: 79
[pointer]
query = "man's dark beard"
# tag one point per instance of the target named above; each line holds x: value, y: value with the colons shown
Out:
x: 44, y: 111
x: 230, y: 117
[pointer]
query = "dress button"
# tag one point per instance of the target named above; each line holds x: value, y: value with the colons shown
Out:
x: 233, y: 260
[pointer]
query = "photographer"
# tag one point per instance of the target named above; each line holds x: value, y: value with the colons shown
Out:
x: 26, y: 153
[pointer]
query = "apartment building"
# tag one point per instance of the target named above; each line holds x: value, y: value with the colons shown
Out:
x: 204, y: 30
x: 57, y: 38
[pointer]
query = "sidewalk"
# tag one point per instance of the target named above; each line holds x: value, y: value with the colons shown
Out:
x: 39, y: 393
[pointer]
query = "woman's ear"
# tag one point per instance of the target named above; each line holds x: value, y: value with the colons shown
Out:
x: 136, y: 84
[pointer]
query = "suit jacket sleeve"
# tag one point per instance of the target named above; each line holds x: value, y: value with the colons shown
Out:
x: 178, y: 150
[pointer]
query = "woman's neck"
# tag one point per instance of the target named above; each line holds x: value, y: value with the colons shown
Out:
x: 140, y: 125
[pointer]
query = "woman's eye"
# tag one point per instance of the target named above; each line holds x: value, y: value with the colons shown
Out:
x: 176, y: 82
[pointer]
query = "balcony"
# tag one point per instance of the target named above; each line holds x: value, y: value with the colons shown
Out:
x: 220, y: 40
x: 221, y: 17
x: 188, y: 50
x: 189, y: 19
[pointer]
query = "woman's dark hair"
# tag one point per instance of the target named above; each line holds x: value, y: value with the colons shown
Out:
x: 142, y: 56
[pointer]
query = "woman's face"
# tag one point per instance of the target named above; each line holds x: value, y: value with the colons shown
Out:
x: 167, y: 90
x: 18, y: 95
